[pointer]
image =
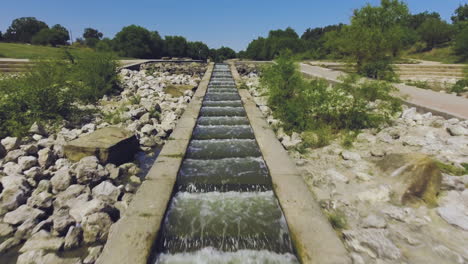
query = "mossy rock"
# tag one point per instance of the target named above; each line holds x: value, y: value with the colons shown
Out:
x: 177, y: 90
x: 414, y: 178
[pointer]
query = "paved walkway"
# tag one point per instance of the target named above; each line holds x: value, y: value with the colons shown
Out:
x: 446, y: 105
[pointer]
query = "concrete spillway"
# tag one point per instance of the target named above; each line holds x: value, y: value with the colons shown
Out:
x: 224, y: 210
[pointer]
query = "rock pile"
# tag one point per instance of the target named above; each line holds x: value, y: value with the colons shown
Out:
x: 370, y: 189
x: 50, y: 204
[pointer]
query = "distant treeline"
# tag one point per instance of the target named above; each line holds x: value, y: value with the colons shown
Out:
x: 132, y: 41
x: 422, y: 32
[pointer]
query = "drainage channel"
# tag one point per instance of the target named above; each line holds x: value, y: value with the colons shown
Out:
x: 223, y: 209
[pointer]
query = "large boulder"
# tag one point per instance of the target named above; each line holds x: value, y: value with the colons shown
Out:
x: 109, y: 144
x: 413, y: 177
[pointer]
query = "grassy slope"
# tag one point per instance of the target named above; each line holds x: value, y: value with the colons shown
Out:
x: 444, y: 55
x: 26, y: 51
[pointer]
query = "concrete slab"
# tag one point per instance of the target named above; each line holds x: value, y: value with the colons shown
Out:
x: 131, y: 239
x: 109, y: 144
x: 314, y: 238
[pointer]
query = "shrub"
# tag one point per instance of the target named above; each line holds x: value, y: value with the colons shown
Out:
x: 348, y: 138
x: 40, y: 95
x: 317, y: 138
x: 308, y: 105
x: 48, y: 91
x: 95, y: 75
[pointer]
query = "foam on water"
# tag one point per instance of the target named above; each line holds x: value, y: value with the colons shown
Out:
x: 212, y: 256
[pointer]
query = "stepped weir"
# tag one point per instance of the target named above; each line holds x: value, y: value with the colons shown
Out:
x: 223, y: 190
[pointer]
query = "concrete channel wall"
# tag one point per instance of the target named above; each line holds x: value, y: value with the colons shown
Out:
x: 131, y: 239
x: 314, y: 238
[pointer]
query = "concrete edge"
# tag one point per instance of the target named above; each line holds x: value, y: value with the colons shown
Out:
x: 131, y: 239
x: 419, y: 107
x: 313, y: 236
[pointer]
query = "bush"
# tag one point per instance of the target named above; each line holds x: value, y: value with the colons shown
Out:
x: 48, y: 91
x: 94, y: 75
x: 309, y: 105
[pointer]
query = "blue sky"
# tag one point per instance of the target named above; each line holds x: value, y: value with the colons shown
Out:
x: 232, y: 23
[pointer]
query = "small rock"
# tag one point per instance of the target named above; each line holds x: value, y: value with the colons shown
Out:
x: 348, y: 155
x: 374, y: 242
x: 377, y: 152
x: 373, y: 221
x: 74, y: 194
x: 363, y: 176
x: 336, y: 176
x: 61, y: 180
x: 96, y: 227
x: 93, y: 254
x: 46, y: 157
x: 27, y: 162
x: 89, y: 170
x: 13, y: 155
x: 30, y: 149
x: 457, y: 130
x: 74, y: 237
x: 9, y: 243
x: 42, y: 240
x: 34, y: 173
x: 15, y: 192
x: 62, y: 221
x: 42, y: 200
x: 107, y: 190
x: 80, y: 210
x: 22, y: 214
x: 378, y: 194
x: 37, y: 128
x: 25, y: 230
x: 10, y: 143
x: 6, y: 230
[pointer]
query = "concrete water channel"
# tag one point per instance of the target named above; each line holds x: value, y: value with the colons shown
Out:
x: 223, y: 190
x: 224, y: 199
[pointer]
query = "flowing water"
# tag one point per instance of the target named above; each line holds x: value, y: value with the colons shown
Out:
x: 224, y: 209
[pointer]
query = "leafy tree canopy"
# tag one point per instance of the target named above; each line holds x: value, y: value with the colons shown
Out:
x: 23, y: 29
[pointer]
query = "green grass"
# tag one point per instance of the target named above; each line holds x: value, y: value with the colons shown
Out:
x: 443, y: 55
x: 450, y: 169
x: 27, y: 51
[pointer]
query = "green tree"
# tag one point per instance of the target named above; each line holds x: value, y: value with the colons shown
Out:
x: 92, y: 37
x: 57, y: 35
x: 105, y: 45
x: 461, y: 14
x: 416, y: 20
x: 135, y: 42
x: 197, y: 50
x: 222, y: 54
x: 175, y: 46
x: 157, y: 45
x: 1, y: 36
x: 374, y: 37
x: 461, y: 43
x: 435, y: 31
x: 23, y: 29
